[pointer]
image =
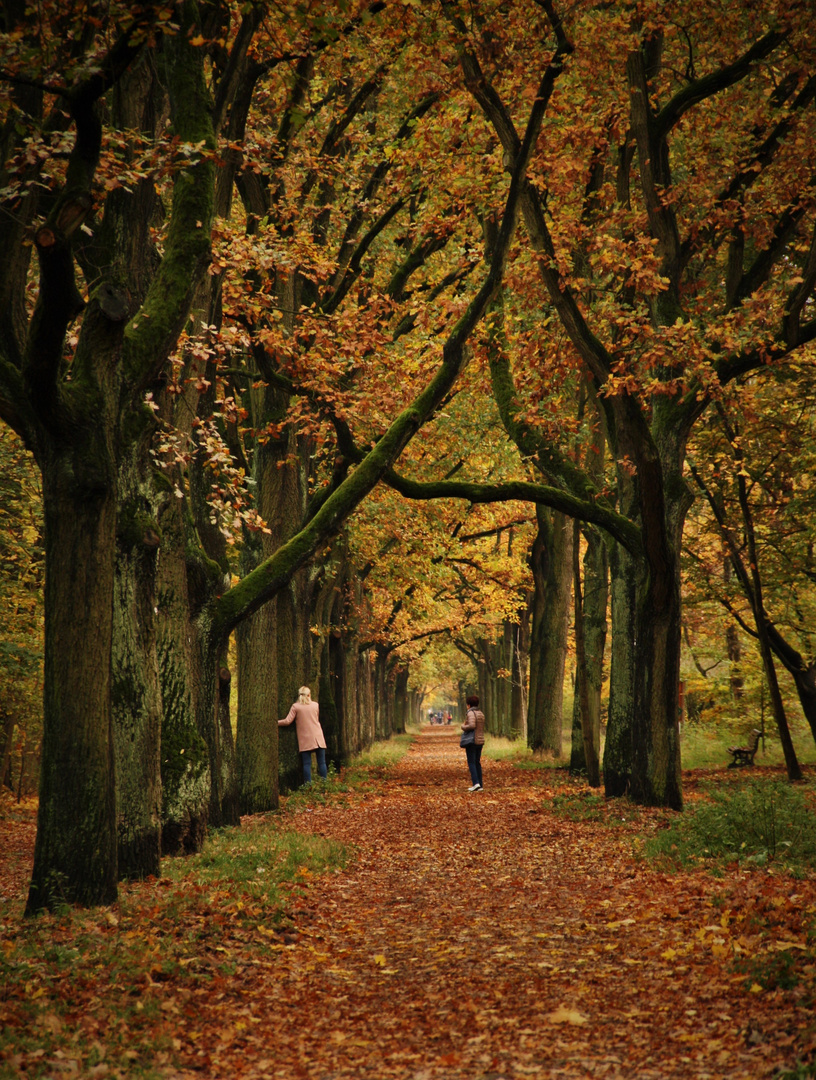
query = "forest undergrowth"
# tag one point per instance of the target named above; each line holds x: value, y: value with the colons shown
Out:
x: 391, y: 925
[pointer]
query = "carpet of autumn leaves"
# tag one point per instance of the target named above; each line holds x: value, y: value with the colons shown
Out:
x: 469, y: 935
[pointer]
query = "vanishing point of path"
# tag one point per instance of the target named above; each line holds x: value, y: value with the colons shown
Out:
x: 481, y: 936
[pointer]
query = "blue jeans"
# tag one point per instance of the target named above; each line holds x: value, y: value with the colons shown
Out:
x: 474, y: 760
x: 306, y: 758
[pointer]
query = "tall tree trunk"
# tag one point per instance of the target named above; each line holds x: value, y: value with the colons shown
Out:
x: 185, y: 768
x: 802, y: 671
x: 506, y: 659
x: 617, y: 758
x: 551, y: 563
x: 333, y: 680
x: 363, y: 706
x: 518, y: 678
x: 75, y: 858
x: 401, y: 700
x: 732, y: 642
x: 590, y: 639
x: 135, y: 692
x: 382, y: 716
x: 256, y: 747
x: 791, y: 762
x: 655, y: 777
x: 664, y: 499
x: 259, y: 690
x: 8, y: 743
x: 124, y: 245
x: 230, y: 797
x: 212, y: 680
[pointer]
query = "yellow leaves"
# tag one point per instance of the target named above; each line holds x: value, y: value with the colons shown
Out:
x: 563, y: 1015
x: 380, y: 961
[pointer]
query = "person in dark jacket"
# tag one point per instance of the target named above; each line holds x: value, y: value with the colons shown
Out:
x: 475, y: 722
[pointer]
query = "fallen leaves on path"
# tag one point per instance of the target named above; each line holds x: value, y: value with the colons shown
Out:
x: 474, y: 935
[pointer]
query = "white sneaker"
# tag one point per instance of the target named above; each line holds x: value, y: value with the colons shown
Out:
x: 476, y: 787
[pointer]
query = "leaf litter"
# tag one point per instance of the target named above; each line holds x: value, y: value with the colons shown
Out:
x: 466, y: 936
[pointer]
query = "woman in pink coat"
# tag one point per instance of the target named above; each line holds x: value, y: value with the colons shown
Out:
x: 305, y: 714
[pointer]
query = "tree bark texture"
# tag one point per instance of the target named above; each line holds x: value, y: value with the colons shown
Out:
x: 382, y: 717
x: 256, y: 747
x: 185, y: 767
x: 401, y: 702
x: 590, y: 613
x: 135, y: 692
x: 230, y: 797
x: 551, y: 564
x: 617, y: 758
x: 75, y: 852
x: 518, y: 698
x: 259, y: 695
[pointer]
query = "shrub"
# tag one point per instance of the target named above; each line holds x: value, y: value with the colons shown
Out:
x: 761, y: 823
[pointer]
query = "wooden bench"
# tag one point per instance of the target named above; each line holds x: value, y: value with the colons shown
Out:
x: 744, y: 755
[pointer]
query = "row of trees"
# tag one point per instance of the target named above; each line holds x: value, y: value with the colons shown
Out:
x: 277, y: 254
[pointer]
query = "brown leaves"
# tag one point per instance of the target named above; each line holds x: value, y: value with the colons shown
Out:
x: 463, y: 938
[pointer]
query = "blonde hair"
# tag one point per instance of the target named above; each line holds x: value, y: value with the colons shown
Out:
x: 304, y: 694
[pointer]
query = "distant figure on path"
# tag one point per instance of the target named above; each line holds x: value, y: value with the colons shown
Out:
x: 475, y: 722
x: 305, y: 713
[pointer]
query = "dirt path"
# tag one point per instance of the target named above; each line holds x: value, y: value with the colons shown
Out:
x: 481, y: 936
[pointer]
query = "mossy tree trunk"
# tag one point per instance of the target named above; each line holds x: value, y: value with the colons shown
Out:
x: 591, y: 598
x: 185, y: 770
x: 382, y: 719
x: 84, y: 430
x: 75, y: 856
x: 135, y: 694
x: 551, y: 564
x: 519, y: 669
x: 261, y: 699
x: 617, y: 758
x: 401, y: 700
x: 124, y: 246
x: 256, y: 748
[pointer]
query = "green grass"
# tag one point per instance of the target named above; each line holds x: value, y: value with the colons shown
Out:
x: 704, y: 746
x: 591, y: 806
x: 371, y: 764
x: 378, y: 759
x: 497, y: 748
x: 802, y: 1071
x: 756, y: 824
x: 383, y: 754
x: 257, y: 861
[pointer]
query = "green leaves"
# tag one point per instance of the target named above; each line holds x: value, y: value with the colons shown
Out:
x: 761, y: 823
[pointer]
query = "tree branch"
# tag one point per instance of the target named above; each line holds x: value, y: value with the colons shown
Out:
x: 618, y: 526
x: 713, y: 83
x: 274, y: 573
